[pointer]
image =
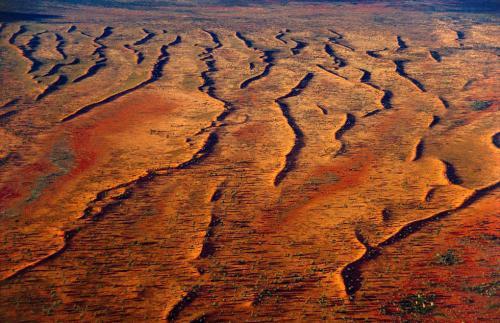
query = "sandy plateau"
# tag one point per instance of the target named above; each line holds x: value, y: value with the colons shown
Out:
x: 271, y: 162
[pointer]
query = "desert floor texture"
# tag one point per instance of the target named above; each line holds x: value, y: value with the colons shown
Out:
x: 268, y: 162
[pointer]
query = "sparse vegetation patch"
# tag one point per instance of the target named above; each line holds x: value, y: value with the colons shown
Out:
x: 448, y: 258
x: 480, y: 105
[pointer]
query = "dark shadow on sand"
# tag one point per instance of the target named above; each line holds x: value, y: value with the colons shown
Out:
x: 10, y: 16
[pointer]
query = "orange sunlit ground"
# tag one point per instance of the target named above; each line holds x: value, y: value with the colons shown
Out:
x: 249, y: 162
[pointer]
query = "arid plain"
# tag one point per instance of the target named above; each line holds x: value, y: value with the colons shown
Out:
x: 270, y: 162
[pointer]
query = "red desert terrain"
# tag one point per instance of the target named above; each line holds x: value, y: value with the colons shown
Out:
x: 224, y: 161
